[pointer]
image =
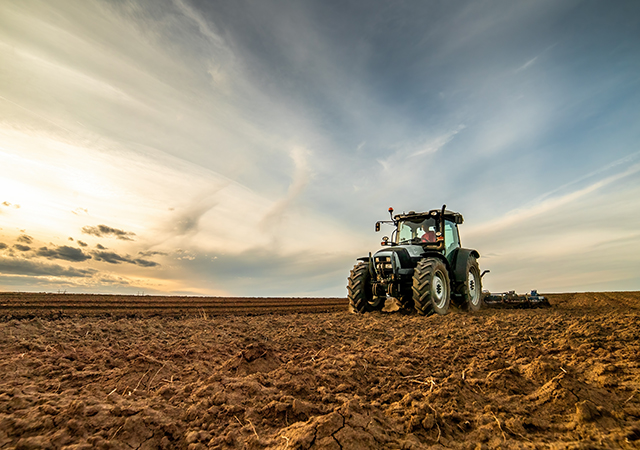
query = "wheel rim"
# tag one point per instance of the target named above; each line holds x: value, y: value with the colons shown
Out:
x: 439, y: 290
x: 474, y: 292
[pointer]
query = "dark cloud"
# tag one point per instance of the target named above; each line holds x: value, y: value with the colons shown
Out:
x: 70, y: 238
x: 22, y: 248
x: 101, y: 247
x: 152, y: 253
x: 145, y: 263
x: 63, y: 252
x: 25, y: 239
x: 114, y: 258
x: 27, y: 267
x: 105, y: 231
x: 109, y: 257
x: 3, y: 246
x: 82, y: 244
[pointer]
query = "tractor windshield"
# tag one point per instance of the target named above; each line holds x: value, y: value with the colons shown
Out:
x: 420, y: 230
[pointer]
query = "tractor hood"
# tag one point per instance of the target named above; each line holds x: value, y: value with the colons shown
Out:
x: 403, y: 254
x: 413, y: 251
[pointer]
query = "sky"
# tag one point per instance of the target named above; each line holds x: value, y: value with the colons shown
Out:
x: 247, y: 148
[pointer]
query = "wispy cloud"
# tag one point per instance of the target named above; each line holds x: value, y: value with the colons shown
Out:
x: 627, y: 161
x: 533, y: 60
x: 548, y: 205
x: 106, y: 231
x: 436, y: 144
x: 404, y: 157
x: 186, y: 220
x: 299, y: 180
x: 526, y: 65
x: 204, y: 26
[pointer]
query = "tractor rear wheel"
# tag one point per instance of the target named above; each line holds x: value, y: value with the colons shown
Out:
x: 359, y: 290
x: 471, y: 289
x: 431, y: 287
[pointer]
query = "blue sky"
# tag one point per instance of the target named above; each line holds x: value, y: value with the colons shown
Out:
x: 247, y: 148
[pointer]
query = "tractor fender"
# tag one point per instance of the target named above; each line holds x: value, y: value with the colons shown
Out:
x: 459, y: 263
x: 441, y: 257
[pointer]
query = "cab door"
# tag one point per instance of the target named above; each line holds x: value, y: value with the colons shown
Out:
x: 451, y: 238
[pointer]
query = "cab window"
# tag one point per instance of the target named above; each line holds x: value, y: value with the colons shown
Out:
x: 451, y: 239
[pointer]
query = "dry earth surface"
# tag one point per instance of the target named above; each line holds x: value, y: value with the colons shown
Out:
x: 563, y: 377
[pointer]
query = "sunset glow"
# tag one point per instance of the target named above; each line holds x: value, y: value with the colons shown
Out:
x: 247, y: 148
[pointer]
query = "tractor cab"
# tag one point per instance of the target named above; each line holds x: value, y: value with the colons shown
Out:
x: 435, y: 230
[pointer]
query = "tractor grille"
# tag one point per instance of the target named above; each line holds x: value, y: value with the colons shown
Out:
x: 383, y: 265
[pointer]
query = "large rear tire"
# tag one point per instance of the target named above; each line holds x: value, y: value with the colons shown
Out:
x: 471, y: 289
x: 359, y: 291
x: 431, y: 287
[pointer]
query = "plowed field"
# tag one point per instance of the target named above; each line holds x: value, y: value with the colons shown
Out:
x: 199, y: 377
x: 26, y: 304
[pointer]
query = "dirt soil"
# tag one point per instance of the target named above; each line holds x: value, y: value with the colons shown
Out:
x: 563, y: 377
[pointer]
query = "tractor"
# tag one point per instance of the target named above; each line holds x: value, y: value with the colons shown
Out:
x: 422, y: 266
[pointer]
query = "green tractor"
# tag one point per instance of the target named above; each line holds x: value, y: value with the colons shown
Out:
x: 422, y: 266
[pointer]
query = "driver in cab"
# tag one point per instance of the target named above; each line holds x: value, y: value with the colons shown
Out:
x: 429, y: 235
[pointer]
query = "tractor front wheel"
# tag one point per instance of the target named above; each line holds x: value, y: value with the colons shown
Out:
x: 359, y: 290
x: 431, y: 287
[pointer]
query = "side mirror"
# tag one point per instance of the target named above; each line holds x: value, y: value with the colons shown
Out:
x: 377, y: 226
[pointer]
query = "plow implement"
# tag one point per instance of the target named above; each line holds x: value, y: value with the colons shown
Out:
x: 512, y: 300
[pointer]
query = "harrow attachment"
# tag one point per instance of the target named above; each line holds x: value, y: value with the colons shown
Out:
x: 512, y: 300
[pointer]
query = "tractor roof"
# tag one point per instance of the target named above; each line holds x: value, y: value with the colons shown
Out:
x: 435, y: 213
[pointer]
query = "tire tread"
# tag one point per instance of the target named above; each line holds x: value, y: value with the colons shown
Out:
x: 356, y: 289
x: 422, y: 279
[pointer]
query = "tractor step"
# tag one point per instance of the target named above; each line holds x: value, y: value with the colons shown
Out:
x: 512, y: 300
